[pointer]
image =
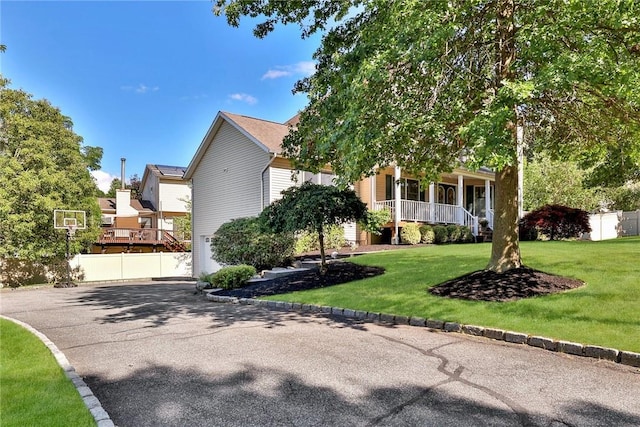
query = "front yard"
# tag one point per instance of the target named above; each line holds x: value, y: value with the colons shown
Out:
x: 605, y: 312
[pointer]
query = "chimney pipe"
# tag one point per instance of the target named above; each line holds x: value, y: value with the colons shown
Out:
x: 122, y: 161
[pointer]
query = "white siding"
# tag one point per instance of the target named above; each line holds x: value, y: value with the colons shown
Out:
x: 266, y: 180
x: 280, y: 180
x: 172, y: 196
x: 150, y: 190
x: 226, y: 184
x: 350, y: 232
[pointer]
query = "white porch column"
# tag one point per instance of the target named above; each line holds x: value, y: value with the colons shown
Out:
x: 460, y: 199
x: 372, y: 180
x: 487, y: 197
x: 398, y: 204
x: 432, y: 201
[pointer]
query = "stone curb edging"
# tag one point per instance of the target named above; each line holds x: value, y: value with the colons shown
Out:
x: 618, y: 356
x: 91, y: 402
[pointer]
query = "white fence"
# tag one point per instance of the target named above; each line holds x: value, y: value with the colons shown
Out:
x: 611, y: 225
x: 125, y: 266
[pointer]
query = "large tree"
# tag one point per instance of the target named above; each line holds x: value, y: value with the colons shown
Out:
x: 43, y: 166
x: 426, y: 84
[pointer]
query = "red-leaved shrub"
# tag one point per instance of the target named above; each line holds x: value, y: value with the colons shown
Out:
x: 558, y: 222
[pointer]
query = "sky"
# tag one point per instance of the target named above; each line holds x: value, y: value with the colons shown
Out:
x: 145, y: 79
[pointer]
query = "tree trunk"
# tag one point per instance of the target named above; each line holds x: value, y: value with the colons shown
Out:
x: 323, y: 261
x: 505, y: 248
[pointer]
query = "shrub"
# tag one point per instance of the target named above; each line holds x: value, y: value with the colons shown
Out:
x: 558, y: 222
x: 334, y: 237
x: 427, y: 235
x: 466, y: 236
x: 375, y: 220
x: 440, y: 233
x: 244, y: 241
x: 232, y: 277
x: 410, y: 234
x: 526, y: 232
x: 307, y: 241
x: 453, y: 233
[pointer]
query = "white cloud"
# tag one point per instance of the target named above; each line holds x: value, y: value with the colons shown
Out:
x: 304, y: 68
x: 244, y: 98
x: 103, y: 179
x: 141, y: 88
x: 276, y: 74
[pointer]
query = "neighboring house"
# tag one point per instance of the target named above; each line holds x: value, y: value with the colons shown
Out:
x: 239, y: 169
x: 166, y: 189
x: 147, y: 225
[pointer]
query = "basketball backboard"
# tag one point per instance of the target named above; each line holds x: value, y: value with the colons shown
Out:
x: 69, y: 219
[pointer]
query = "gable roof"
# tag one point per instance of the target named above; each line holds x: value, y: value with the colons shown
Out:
x: 265, y: 134
x: 175, y: 173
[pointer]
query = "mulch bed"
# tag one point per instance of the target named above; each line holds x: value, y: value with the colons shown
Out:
x: 337, y: 273
x: 480, y: 285
x: 512, y: 285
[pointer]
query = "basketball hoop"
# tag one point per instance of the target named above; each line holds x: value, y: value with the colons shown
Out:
x: 69, y: 220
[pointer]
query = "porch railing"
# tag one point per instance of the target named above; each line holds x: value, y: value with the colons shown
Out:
x: 436, y: 213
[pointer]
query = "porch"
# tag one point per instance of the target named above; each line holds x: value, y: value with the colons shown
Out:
x: 433, y: 213
x: 461, y: 197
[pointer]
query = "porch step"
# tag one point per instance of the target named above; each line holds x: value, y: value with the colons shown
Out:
x: 485, y: 236
x: 279, y: 272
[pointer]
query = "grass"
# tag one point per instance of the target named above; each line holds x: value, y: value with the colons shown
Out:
x: 34, y: 390
x: 605, y: 312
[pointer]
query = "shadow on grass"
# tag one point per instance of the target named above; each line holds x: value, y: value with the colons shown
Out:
x: 255, y: 395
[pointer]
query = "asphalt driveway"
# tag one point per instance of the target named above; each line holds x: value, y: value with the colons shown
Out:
x: 155, y: 354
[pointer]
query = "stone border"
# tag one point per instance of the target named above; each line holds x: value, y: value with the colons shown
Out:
x: 91, y: 402
x: 623, y: 357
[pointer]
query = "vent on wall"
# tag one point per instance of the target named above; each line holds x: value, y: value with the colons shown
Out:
x: 107, y: 220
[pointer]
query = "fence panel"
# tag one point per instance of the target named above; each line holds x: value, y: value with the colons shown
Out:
x: 123, y: 266
x: 630, y: 223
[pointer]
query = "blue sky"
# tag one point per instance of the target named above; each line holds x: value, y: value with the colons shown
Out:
x: 144, y: 80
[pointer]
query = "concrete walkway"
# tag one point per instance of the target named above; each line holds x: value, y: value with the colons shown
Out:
x: 155, y: 354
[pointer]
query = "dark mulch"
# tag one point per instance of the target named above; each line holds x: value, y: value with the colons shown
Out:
x: 480, y: 285
x: 337, y: 273
x: 512, y: 285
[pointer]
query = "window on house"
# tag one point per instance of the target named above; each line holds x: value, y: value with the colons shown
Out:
x: 389, y: 188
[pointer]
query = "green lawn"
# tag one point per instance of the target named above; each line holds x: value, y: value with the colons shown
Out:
x: 605, y: 312
x: 34, y: 390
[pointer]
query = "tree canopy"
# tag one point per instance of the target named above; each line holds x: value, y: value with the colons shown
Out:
x: 43, y: 166
x: 314, y: 207
x: 426, y: 85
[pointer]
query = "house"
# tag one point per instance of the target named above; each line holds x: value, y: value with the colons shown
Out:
x: 146, y: 225
x: 238, y: 169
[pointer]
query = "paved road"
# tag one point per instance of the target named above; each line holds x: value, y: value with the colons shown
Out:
x: 155, y: 354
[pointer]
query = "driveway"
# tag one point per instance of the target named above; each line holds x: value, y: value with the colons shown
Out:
x: 155, y: 354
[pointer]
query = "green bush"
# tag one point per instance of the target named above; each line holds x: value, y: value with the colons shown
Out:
x: 232, y: 277
x: 410, y: 234
x: 466, y: 235
x: 453, y: 233
x: 308, y: 241
x: 427, y: 235
x: 244, y: 241
x: 440, y: 233
x: 374, y: 221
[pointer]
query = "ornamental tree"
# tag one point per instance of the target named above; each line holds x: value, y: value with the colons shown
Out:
x: 424, y: 84
x: 314, y: 207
